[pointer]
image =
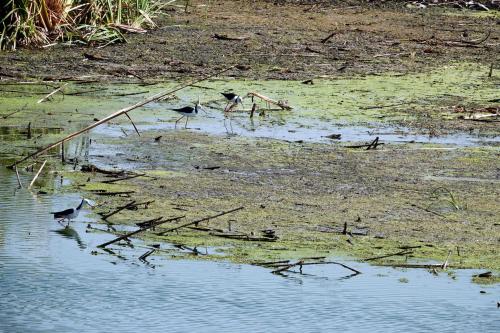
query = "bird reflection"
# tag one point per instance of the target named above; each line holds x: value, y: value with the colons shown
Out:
x: 69, y: 232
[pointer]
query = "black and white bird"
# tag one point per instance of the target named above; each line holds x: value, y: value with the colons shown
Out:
x: 70, y: 213
x: 187, y: 112
x: 232, y: 98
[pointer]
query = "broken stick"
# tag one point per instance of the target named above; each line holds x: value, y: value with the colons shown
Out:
x: 52, y: 93
x: 281, y: 104
x: 198, y: 221
x: 156, y: 222
x: 37, y: 174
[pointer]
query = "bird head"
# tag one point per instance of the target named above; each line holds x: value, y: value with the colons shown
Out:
x: 88, y: 202
x: 198, y: 106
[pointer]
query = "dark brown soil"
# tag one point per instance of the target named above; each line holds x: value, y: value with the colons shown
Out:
x: 281, y: 40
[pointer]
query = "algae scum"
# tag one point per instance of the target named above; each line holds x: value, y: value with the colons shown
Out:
x: 429, y: 192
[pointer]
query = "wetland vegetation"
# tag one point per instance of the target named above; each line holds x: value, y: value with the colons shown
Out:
x: 425, y: 81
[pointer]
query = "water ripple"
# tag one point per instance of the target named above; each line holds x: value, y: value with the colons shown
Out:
x: 49, y: 282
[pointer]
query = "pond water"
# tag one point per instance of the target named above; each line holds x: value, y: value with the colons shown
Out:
x: 50, y: 281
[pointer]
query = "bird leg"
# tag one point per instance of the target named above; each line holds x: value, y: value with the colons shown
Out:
x: 185, y: 125
x: 178, y: 121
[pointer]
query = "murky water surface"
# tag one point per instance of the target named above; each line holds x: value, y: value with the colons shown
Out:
x: 51, y: 282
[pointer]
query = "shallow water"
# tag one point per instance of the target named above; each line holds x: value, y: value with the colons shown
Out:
x: 359, y: 109
x: 51, y: 282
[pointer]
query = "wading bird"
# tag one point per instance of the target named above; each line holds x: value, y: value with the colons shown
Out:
x: 232, y: 98
x: 188, y: 111
x: 71, y: 213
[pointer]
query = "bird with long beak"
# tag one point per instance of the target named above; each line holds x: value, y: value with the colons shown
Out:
x: 70, y: 213
x: 187, y: 112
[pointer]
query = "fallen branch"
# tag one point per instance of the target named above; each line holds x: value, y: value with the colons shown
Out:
x: 37, y: 174
x: 244, y: 237
x: 151, y: 225
x: 367, y: 145
x: 136, y: 130
x: 445, y: 264
x: 281, y: 104
x: 120, y: 193
x: 332, y: 263
x: 198, y: 221
x: 119, y: 209
x: 226, y: 37
x: 116, y: 114
x: 147, y: 254
x: 287, y: 267
x: 373, y: 145
x: 18, y: 179
x: 52, y: 93
x: 93, y: 168
x: 401, y: 253
x: 129, y: 206
x: 327, y: 38
x: 124, y: 178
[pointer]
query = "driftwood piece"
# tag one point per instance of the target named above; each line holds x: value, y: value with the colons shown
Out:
x: 154, y: 223
x: 116, y: 114
x: 198, y: 221
x: 281, y: 104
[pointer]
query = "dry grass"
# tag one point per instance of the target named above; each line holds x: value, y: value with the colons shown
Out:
x: 40, y: 22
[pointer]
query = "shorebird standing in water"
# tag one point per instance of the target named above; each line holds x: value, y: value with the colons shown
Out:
x: 70, y: 213
x: 187, y: 112
x: 232, y: 98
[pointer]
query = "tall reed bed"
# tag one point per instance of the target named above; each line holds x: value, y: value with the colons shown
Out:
x: 41, y: 22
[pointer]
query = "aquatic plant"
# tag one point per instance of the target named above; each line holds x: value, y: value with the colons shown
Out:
x: 41, y: 22
x: 443, y: 194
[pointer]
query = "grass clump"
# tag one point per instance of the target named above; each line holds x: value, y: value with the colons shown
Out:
x: 41, y: 22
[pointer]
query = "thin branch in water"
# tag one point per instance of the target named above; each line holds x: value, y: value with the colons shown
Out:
x: 37, y: 174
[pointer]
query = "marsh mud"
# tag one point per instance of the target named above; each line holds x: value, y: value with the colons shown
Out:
x: 275, y: 40
x: 430, y: 190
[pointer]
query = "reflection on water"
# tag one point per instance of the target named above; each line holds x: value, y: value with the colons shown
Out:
x: 50, y: 281
x: 71, y: 233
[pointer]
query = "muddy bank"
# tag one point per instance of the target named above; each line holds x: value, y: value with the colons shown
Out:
x: 430, y: 200
x: 274, y: 40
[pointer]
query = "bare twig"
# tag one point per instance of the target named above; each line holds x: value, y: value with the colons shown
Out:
x: 198, y: 221
x: 281, y: 104
x: 401, y: 253
x: 445, y: 264
x: 136, y: 130
x: 156, y: 222
x: 37, y: 174
x: 52, y: 93
x: 147, y: 254
x: 18, y: 179
x: 124, y: 178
